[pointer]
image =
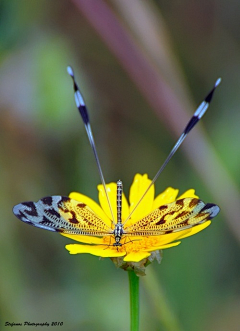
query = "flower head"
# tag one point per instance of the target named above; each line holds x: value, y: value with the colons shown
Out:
x: 144, y: 245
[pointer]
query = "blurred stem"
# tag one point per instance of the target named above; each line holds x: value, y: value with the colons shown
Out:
x: 160, y: 303
x: 134, y: 300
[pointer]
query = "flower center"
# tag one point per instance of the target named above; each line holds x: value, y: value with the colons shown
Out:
x: 132, y: 244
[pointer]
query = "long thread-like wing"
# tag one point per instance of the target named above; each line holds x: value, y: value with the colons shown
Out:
x: 62, y: 214
x: 176, y: 216
x: 191, y: 124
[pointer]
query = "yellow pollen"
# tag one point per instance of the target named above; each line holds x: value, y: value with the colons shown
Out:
x: 130, y: 244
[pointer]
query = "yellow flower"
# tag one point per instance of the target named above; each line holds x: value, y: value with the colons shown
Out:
x: 134, y: 248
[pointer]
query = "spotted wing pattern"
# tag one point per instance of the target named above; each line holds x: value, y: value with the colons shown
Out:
x: 176, y: 216
x: 62, y: 214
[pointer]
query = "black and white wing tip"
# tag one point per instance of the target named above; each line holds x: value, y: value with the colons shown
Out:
x: 218, y: 81
x: 70, y: 71
x: 78, y: 96
x: 201, y: 109
x: 80, y: 103
x: 210, y: 94
x: 212, y: 209
x: 28, y: 213
x: 17, y: 211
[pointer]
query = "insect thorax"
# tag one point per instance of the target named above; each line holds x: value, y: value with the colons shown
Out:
x: 118, y: 232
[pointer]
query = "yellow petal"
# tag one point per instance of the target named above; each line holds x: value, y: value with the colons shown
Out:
x: 91, y: 204
x: 112, y: 194
x: 136, y: 256
x: 168, y: 238
x: 176, y: 243
x: 98, y: 250
x: 138, y: 188
x: 167, y: 196
x: 188, y: 194
x: 84, y: 239
x: 196, y: 229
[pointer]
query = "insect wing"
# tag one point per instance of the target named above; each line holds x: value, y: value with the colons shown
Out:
x: 61, y: 214
x: 176, y: 216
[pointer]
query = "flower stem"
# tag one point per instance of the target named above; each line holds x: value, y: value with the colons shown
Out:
x: 134, y: 300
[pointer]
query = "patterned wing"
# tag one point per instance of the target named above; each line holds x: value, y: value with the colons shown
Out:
x: 62, y: 214
x: 176, y: 216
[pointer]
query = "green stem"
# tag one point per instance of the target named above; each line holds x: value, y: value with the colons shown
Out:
x: 134, y: 300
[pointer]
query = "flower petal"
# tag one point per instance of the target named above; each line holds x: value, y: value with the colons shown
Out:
x: 171, y: 237
x: 167, y: 196
x: 176, y: 243
x: 188, y: 194
x: 98, y: 250
x: 91, y: 204
x: 196, y: 229
x: 138, y: 188
x: 112, y: 194
x: 136, y: 256
x: 84, y: 239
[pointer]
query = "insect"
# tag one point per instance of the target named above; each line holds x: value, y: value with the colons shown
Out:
x: 65, y: 215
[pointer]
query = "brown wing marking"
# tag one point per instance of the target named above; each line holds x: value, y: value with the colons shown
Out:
x: 62, y: 214
x: 82, y: 219
x: 176, y: 216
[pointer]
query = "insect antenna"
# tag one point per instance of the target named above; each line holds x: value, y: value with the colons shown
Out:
x: 192, y: 122
x: 85, y: 117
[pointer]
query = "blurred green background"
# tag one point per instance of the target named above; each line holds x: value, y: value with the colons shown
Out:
x: 143, y: 67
